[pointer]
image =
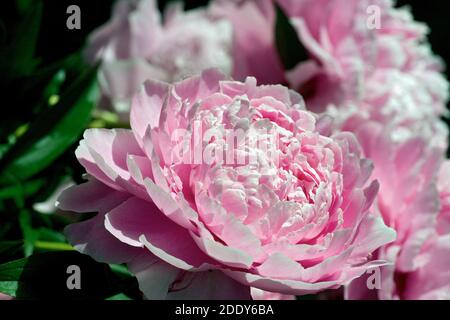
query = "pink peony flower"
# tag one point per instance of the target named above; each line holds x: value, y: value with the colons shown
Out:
x: 254, y: 52
x: 409, y: 201
x: 136, y: 45
x: 280, y: 207
x: 443, y: 185
x: 347, y: 50
x: 365, y: 56
x: 368, y: 55
x: 431, y: 280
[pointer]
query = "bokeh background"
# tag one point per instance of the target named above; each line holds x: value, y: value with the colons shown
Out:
x: 55, y: 41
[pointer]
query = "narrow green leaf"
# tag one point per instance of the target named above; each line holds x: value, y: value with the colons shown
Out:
x: 49, y: 246
x: 24, y: 190
x: 29, y: 234
x: 19, y: 53
x: 24, y: 5
x: 46, y: 234
x: 119, y: 296
x: 120, y: 270
x: 9, y: 248
x: 53, y: 132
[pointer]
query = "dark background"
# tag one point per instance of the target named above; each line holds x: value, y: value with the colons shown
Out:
x: 56, y: 40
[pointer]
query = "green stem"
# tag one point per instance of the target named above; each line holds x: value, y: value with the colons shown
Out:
x: 47, y: 245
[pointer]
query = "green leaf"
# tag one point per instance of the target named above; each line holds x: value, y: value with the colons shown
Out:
x: 24, y: 5
x: 290, y: 49
x: 50, y: 240
x: 52, y: 89
x: 34, y: 93
x: 119, y: 296
x: 52, y: 246
x: 53, y: 132
x: 17, y: 57
x: 44, y: 276
x: 120, y: 270
x: 29, y: 234
x: 22, y: 190
x: 46, y: 234
x: 9, y: 248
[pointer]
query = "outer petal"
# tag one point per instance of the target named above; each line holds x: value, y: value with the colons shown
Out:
x: 227, y: 255
x: 358, y: 290
x: 258, y: 294
x: 282, y: 286
x: 372, y: 234
x: 155, y: 277
x: 209, y: 285
x: 90, y: 237
x: 139, y: 223
x: 432, y: 280
x: 104, y: 153
x: 92, y: 196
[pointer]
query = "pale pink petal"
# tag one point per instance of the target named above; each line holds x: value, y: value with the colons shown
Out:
x: 90, y: 237
x: 258, y: 294
x: 155, y: 277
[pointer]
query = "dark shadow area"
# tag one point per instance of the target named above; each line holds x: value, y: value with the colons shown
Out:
x: 49, y: 276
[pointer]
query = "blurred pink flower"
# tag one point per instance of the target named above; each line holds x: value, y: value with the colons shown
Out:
x: 254, y: 52
x: 410, y: 200
x: 443, y: 184
x: 136, y: 45
x: 386, y: 71
x: 297, y: 223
